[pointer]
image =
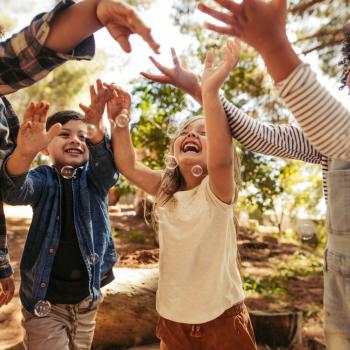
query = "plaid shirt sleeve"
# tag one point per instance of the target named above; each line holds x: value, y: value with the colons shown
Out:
x: 23, y: 61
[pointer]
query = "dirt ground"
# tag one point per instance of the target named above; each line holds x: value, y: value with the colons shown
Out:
x: 136, y: 248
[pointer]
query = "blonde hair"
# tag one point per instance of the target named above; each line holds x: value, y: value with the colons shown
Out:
x: 172, y: 179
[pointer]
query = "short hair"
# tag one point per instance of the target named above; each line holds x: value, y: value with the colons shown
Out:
x: 345, y: 62
x: 63, y: 117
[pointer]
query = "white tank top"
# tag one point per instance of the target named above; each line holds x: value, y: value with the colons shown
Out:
x: 198, y: 274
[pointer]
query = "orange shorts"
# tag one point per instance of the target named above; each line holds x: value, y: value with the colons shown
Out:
x: 230, y: 331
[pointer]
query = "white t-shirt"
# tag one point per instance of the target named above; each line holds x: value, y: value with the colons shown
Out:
x: 198, y: 274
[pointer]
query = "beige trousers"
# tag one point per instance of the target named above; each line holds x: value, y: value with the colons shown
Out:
x: 67, y: 327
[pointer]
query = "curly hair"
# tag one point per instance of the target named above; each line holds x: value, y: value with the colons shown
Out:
x: 345, y: 62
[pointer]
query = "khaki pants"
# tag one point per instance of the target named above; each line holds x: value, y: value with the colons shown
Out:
x: 230, y: 331
x: 67, y: 327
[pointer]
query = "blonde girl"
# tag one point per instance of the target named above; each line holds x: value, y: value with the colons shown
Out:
x: 200, y: 297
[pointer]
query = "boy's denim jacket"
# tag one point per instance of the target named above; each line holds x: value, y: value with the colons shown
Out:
x: 41, y: 188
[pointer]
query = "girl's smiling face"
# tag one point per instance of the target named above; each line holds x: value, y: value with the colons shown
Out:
x: 190, y: 147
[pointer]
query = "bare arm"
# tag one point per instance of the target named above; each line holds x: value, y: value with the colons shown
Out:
x: 74, y: 24
x: 261, y: 24
x: 124, y: 154
x: 220, y: 153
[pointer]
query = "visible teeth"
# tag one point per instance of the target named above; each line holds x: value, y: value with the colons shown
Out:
x: 191, y: 147
x: 76, y: 151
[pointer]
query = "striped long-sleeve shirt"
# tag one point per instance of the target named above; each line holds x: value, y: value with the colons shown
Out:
x: 286, y: 141
x: 324, y: 120
x: 23, y: 61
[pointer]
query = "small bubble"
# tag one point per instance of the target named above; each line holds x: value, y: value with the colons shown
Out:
x: 197, y: 170
x: 42, y: 308
x: 172, y: 131
x: 170, y: 162
x: 93, y: 258
x: 122, y: 120
x: 67, y: 172
x: 91, y: 131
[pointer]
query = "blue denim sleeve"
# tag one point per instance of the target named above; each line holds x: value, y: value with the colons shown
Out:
x: 102, y: 171
x: 22, y: 189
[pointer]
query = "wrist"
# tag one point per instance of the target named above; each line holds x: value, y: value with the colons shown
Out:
x: 23, y: 155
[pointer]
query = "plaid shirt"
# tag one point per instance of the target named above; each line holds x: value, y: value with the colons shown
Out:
x: 23, y: 61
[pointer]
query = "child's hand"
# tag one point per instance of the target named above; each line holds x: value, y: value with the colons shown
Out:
x: 121, y: 21
x: 118, y: 105
x: 259, y: 23
x: 94, y: 113
x: 7, y: 289
x: 32, y: 136
x: 213, y: 78
x: 178, y: 76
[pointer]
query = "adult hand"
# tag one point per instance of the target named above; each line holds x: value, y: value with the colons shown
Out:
x: 121, y: 20
x: 7, y: 290
x: 261, y: 24
x: 178, y: 76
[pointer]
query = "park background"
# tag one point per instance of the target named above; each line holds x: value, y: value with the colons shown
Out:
x: 281, y: 209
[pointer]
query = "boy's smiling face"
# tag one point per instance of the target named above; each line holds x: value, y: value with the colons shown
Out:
x: 69, y: 147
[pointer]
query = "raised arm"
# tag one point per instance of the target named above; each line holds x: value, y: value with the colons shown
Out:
x: 118, y: 107
x: 32, y: 138
x: 88, y: 16
x: 324, y: 120
x: 220, y: 153
x: 94, y: 112
x: 284, y: 141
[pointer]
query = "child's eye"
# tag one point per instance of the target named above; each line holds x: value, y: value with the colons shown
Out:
x: 203, y: 133
x: 64, y: 134
x: 83, y: 137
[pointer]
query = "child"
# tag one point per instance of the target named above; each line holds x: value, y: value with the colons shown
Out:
x: 200, y: 297
x: 39, y: 48
x: 69, y: 252
x: 324, y: 120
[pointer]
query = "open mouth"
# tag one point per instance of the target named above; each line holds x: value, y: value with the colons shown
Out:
x: 190, y: 147
x: 75, y: 151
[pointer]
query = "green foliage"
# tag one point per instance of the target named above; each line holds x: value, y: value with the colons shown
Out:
x: 158, y: 106
x: 63, y: 88
x: 130, y: 236
x: 276, y: 284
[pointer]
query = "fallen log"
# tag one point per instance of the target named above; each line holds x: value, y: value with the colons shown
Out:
x: 127, y: 317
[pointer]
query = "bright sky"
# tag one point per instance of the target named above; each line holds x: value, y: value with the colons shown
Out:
x: 121, y: 67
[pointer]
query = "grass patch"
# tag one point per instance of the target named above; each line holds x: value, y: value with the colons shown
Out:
x: 130, y: 236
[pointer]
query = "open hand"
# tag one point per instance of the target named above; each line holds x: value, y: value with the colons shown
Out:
x: 121, y: 21
x: 120, y: 102
x: 259, y: 23
x: 178, y: 76
x: 98, y: 100
x: 7, y: 290
x: 32, y: 136
x: 214, y: 77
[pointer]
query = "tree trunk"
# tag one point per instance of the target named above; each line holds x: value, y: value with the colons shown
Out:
x: 127, y: 317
